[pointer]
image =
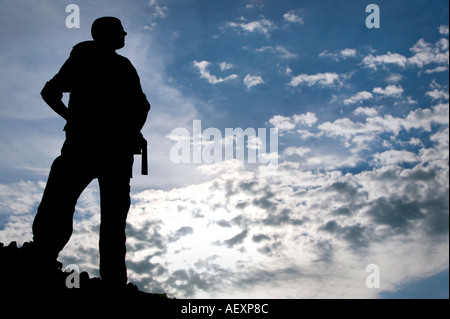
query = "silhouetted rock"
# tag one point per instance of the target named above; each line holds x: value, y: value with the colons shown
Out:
x: 24, y: 280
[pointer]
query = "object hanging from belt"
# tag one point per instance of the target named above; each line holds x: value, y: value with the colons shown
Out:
x: 144, y: 160
x: 141, y: 148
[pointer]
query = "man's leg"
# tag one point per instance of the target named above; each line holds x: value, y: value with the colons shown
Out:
x: 53, y: 224
x: 114, y: 205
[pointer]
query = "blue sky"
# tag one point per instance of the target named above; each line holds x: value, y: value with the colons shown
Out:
x: 362, y: 119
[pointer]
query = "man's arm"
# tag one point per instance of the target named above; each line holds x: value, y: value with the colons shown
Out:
x: 143, y: 112
x: 140, y: 103
x: 52, y: 96
x: 52, y: 92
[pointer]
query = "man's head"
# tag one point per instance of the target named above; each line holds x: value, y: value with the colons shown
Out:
x: 109, y: 32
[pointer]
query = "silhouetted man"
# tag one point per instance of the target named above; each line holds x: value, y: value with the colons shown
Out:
x: 106, y: 112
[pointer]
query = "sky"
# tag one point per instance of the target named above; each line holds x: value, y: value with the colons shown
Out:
x: 359, y: 171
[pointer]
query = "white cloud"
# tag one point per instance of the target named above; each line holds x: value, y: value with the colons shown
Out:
x: 222, y: 167
x: 251, y: 226
x: 20, y: 197
x: 410, y: 100
x: 307, y: 119
x: 394, y: 157
x: 343, y: 54
x: 160, y: 11
x: 212, y: 79
x: 415, y: 142
x: 328, y: 54
x: 348, y: 53
x: 424, y: 118
x: 443, y: 29
x: 281, y: 51
x: 288, y: 71
x: 368, y: 111
x: 292, y: 17
x: 393, y: 78
x: 252, y: 80
x: 437, y: 69
x: 373, y: 62
x: 346, y: 128
x: 416, y: 119
x: 323, y: 79
x: 358, y: 98
x: 284, y: 53
x: 260, y: 26
x: 426, y: 53
x: 300, y: 151
x: 437, y: 94
x: 284, y: 123
x: 305, y: 134
x: 256, y: 4
x: 225, y: 66
x: 390, y: 90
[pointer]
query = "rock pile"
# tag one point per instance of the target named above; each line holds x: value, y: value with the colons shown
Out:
x: 23, y: 279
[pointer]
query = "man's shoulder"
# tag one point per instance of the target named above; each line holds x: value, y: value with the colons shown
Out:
x: 123, y: 58
x: 91, y: 51
x: 125, y: 63
x: 84, y: 46
x: 83, y: 50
